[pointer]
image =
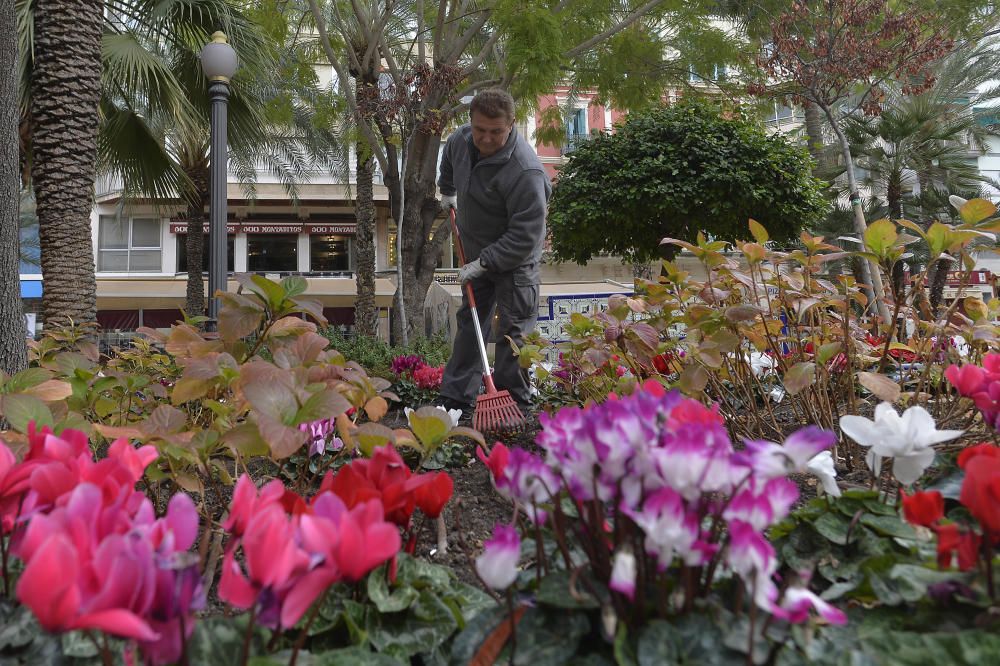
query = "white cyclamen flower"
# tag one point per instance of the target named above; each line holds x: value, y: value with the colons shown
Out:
x: 821, y: 466
x: 907, y: 439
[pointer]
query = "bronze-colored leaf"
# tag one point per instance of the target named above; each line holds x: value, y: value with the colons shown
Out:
x: 51, y: 390
x: 799, y: 377
x: 376, y: 408
x: 693, y: 379
x: 164, y: 420
x: 189, y: 389
x: 880, y: 386
x: 289, y: 326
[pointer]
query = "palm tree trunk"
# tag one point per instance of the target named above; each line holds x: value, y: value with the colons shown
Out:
x: 937, y: 279
x: 194, y: 244
x: 365, y: 315
x: 13, y: 351
x: 66, y: 81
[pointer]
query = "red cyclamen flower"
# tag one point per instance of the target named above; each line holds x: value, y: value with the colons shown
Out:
x: 924, y: 508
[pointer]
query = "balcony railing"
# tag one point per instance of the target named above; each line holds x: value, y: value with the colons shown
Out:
x: 572, y: 141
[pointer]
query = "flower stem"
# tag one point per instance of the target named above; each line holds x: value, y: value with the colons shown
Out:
x: 513, y: 623
x: 753, y: 621
x: 249, y: 635
x: 988, y: 556
x: 305, y: 630
x: 3, y: 566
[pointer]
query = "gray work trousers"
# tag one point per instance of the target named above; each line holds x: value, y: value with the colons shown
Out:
x: 514, y: 296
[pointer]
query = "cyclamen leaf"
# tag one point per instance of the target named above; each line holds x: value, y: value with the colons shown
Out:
x: 799, y: 377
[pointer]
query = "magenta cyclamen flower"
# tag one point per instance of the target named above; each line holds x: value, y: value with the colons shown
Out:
x: 497, y: 565
x: 798, y: 601
x: 665, y: 466
x: 526, y: 479
x: 406, y: 364
x: 752, y: 557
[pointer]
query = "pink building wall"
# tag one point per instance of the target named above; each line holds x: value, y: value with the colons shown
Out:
x: 596, y: 121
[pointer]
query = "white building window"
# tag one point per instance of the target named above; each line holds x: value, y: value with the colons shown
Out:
x: 129, y: 245
x: 717, y: 74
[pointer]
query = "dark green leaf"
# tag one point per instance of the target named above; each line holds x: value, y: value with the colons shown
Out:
x: 889, y: 526
x: 555, y: 591
x: 834, y: 527
x: 400, y: 597
x: 428, y: 624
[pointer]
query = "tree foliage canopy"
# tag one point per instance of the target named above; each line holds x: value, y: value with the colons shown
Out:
x: 674, y: 171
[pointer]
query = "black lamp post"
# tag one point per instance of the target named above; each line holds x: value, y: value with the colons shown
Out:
x: 219, y: 62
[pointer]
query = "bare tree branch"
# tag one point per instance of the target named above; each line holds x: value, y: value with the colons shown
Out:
x: 613, y: 30
x: 439, y: 27
x: 463, y: 41
x: 482, y: 55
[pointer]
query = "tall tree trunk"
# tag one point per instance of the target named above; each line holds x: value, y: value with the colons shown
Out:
x: 194, y: 244
x: 870, y: 269
x: 13, y: 351
x: 420, y: 250
x: 814, y: 136
x: 365, y: 314
x: 66, y: 82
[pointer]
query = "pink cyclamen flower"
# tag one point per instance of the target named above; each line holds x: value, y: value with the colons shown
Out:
x: 623, y: 573
x: 798, y: 601
x: 14, y: 482
x: 496, y: 461
x: 319, y: 432
x: 51, y: 586
x: 967, y: 379
x: 347, y: 544
x: 497, y: 565
x: 90, y: 566
x: 247, y: 502
x: 274, y: 562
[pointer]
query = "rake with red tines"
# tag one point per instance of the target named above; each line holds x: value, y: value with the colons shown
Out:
x: 496, y: 410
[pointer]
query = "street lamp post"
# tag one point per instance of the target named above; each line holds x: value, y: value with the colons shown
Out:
x: 219, y: 62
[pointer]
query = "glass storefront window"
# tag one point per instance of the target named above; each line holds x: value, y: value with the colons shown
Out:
x: 182, y: 266
x: 329, y: 253
x: 272, y: 252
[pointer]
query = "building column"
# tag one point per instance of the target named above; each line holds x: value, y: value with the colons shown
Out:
x: 240, y: 253
x: 302, y: 253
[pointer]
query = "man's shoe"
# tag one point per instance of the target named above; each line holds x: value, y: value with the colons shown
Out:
x: 464, y: 407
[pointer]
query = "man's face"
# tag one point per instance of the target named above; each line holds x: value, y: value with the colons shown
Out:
x: 489, y: 134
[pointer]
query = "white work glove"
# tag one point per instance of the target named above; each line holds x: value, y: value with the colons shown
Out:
x: 449, y: 201
x: 471, y: 271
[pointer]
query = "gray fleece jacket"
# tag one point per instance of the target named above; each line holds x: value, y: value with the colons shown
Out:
x: 501, y: 202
